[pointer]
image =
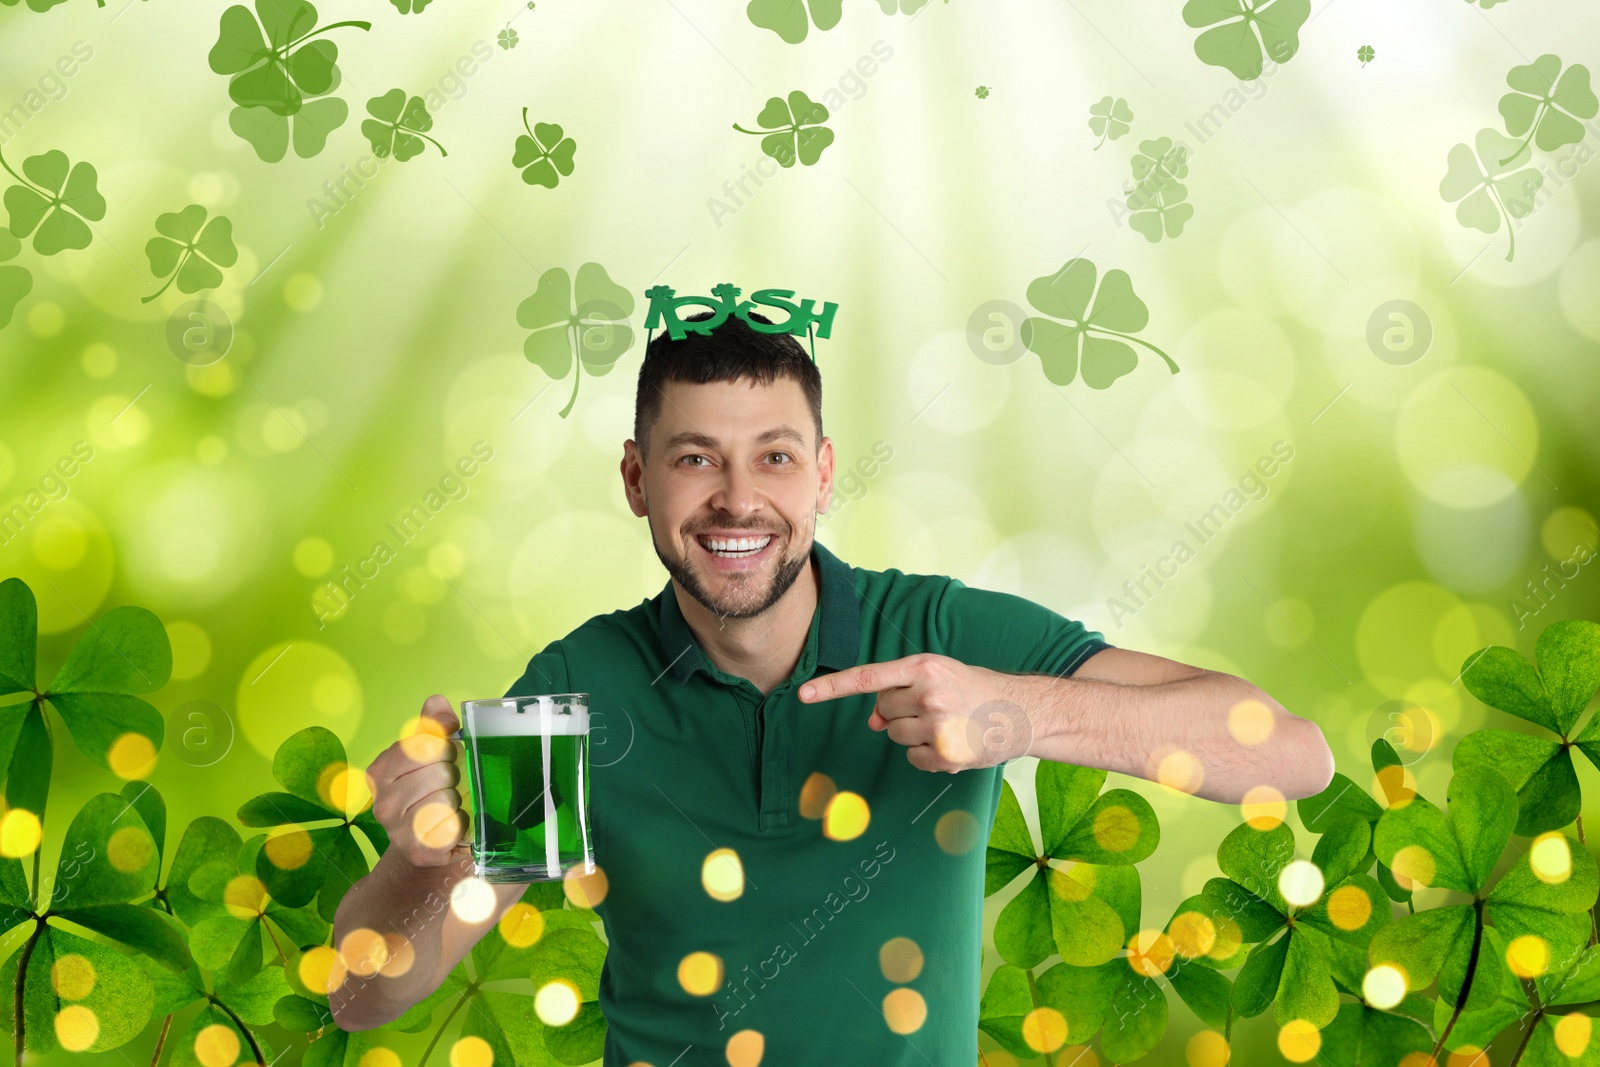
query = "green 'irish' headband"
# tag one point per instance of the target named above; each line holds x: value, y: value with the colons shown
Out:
x: 801, y: 318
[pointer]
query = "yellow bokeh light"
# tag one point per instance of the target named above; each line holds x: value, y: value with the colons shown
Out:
x: 1044, y: 1029
x: 319, y: 968
x: 722, y: 874
x: 1230, y: 938
x: 130, y: 848
x: 957, y: 832
x: 1073, y: 882
x: 585, y: 890
x: 1572, y: 1034
x: 131, y: 756
x: 1413, y: 867
x: 1299, y: 1040
x: 76, y: 1027
x: 423, y: 740
x: 1181, y: 771
x: 313, y: 556
x: 1468, y: 1055
x: 1192, y: 934
x: 471, y: 1051
x: 745, y: 1048
x: 901, y: 959
x: 19, y: 833
x: 72, y: 976
x: 1116, y: 828
x: 1263, y: 807
x: 521, y: 925
x: 1150, y: 953
x: 1384, y: 986
x: 1207, y: 1049
x: 700, y: 973
x: 1250, y: 723
x: 845, y: 817
x: 437, y: 824
x: 1349, y: 908
x: 557, y: 1002
x: 364, y: 950
x: 379, y: 1057
x: 1395, y: 786
x: 303, y: 292
x: 472, y: 899
x: 245, y: 896
x: 815, y: 794
x: 345, y: 788
x: 1550, y: 857
x: 288, y: 851
x: 1528, y: 956
x: 216, y: 1046
x: 904, y: 1010
x: 400, y: 958
x: 191, y: 649
x: 1300, y: 882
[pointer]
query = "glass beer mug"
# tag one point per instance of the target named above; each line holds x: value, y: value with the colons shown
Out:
x: 528, y: 766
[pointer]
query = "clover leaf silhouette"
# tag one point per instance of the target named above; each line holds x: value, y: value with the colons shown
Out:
x: 506, y: 38
x: 399, y: 126
x: 1109, y: 119
x: 1068, y: 909
x: 190, y: 250
x: 1547, y: 104
x: 1098, y: 320
x: 1366, y: 54
x: 1243, y: 33
x: 269, y: 57
x: 1552, y: 692
x: 410, y: 7
x: 53, y: 202
x: 798, y: 124
x: 545, y: 155
x: 904, y: 7
x: 1485, y: 193
x: 595, y: 329
x: 1157, y: 199
x: 270, y: 133
x: 791, y: 19
x: 15, y: 282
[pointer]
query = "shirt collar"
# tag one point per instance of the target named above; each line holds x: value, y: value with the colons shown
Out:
x: 835, y: 633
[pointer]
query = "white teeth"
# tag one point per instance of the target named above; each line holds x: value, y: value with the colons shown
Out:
x: 736, y: 546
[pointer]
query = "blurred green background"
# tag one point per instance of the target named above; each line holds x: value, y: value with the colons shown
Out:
x: 376, y: 341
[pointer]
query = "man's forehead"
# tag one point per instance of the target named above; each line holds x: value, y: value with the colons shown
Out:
x: 734, y: 412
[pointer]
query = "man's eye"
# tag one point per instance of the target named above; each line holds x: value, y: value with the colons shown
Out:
x: 690, y: 459
x: 780, y: 458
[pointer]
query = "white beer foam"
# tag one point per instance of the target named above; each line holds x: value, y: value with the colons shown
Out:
x: 504, y: 720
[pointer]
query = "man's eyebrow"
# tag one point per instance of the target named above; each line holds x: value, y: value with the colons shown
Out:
x: 700, y: 440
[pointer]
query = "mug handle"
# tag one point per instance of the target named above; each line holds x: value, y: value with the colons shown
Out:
x: 471, y: 840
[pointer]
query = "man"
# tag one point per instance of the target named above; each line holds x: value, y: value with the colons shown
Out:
x: 843, y: 731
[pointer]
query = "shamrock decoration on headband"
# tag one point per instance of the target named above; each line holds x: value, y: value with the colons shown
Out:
x: 801, y: 317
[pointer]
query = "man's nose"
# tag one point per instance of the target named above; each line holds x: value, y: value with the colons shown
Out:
x: 736, y: 494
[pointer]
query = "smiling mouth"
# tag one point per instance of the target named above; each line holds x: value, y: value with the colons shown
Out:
x: 734, y: 547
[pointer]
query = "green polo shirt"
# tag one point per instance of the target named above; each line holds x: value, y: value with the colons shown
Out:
x: 686, y: 759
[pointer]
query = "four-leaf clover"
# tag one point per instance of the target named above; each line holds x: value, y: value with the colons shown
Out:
x: 1243, y: 34
x: 595, y: 329
x: 798, y: 123
x: 1481, y: 184
x: 788, y: 18
x: 507, y: 38
x: 1157, y: 199
x: 53, y: 202
x: 190, y: 250
x: 1099, y: 319
x: 1547, y: 104
x: 15, y: 282
x: 1366, y: 54
x: 398, y: 126
x: 1109, y: 119
x: 544, y: 155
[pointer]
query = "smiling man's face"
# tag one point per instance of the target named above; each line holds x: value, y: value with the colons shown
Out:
x: 731, y: 486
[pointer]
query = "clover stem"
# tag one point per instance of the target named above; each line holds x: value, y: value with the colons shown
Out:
x: 1103, y: 137
x: 268, y: 929
x: 243, y: 1029
x: 1533, y: 1024
x: 1466, y: 984
x: 758, y: 133
x: 440, y: 1032
x: 1511, y: 228
x: 161, y: 1041
x: 577, y: 374
x: 1532, y: 127
x: 325, y: 29
x: 1139, y: 341
x: 22, y: 982
x: 186, y: 254
x: 1227, y: 1023
x: 430, y: 140
x: 19, y: 177
x: 530, y: 129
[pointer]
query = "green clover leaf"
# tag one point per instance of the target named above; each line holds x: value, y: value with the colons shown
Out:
x: 1362, y: 1034
x: 53, y: 202
x: 799, y: 126
x: 544, y: 155
x: 594, y: 329
x: 1547, y: 104
x: 1552, y: 694
x: 1244, y: 33
x: 1344, y: 799
x: 119, y: 999
x: 791, y: 19
x: 904, y: 7
x: 269, y: 133
x: 981, y: 92
x: 1081, y: 910
x: 251, y: 927
x: 507, y: 38
x: 410, y: 7
x: 270, y: 58
x: 190, y: 249
x: 1099, y: 320
x: 1485, y: 195
x: 1109, y: 119
x: 399, y: 126
x: 1366, y: 54
x: 15, y: 282
x: 317, y: 854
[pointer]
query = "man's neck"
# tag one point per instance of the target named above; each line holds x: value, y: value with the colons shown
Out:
x: 763, y: 649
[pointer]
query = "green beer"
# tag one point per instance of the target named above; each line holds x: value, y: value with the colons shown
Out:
x: 528, y: 764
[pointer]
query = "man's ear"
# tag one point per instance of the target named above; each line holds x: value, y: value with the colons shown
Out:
x: 632, y: 470
x: 825, y: 470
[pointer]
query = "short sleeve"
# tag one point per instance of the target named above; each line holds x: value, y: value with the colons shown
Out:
x: 546, y: 673
x: 1004, y: 632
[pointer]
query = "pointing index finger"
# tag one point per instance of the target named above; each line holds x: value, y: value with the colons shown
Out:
x: 866, y: 678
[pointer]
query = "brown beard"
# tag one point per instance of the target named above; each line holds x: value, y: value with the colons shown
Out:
x: 784, y: 574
